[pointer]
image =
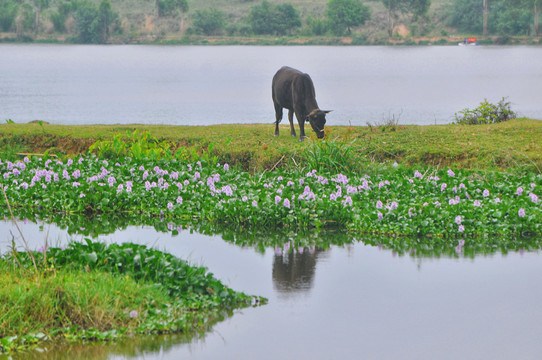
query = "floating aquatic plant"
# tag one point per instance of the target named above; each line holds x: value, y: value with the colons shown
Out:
x: 395, y: 201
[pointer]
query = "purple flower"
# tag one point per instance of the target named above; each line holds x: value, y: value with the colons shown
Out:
x: 477, y: 203
x: 451, y: 173
x: 133, y: 314
x: 392, y: 206
x: 443, y: 186
x: 521, y: 212
x: 458, y: 219
x: 254, y: 203
x: 277, y: 199
x: 286, y: 203
x: 380, y: 216
x: 462, y: 186
x: 534, y: 198
x: 379, y: 204
x: 81, y: 195
x: 519, y: 191
x: 226, y: 167
x: 227, y: 190
x: 486, y: 193
x: 170, y: 205
x: 461, y: 228
x: 347, y: 201
x: 179, y: 200
x: 418, y: 174
x: 411, y: 212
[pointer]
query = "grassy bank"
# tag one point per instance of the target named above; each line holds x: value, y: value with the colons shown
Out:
x: 90, y: 291
x: 508, y: 145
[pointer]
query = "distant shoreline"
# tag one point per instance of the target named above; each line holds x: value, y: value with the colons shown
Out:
x: 276, y: 40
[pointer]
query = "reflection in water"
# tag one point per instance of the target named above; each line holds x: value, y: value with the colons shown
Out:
x: 293, y: 271
x: 94, y: 226
x: 136, y: 347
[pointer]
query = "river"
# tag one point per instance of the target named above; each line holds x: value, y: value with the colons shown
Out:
x: 203, y: 85
x: 354, y: 301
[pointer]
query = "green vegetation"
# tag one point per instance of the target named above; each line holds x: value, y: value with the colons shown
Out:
x: 512, y: 145
x: 450, y: 189
x: 91, y: 291
x: 364, y: 197
x: 486, y: 113
x: 344, y: 15
x: 273, y: 19
x: 250, y: 22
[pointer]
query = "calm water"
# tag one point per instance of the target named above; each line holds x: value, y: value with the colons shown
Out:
x: 351, y: 302
x: 191, y: 85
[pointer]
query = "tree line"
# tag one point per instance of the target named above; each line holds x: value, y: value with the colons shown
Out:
x: 95, y: 22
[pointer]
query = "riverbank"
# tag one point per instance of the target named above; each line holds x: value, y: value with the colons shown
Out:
x: 175, y: 39
x: 506, y: 146
x: 94, y: 292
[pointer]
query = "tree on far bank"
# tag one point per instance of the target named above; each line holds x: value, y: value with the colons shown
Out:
x: 93, y: 23
x: 271, y: 19
x: 343, y: 15
x: 209, y: 21
x: 171, y: 7
x: 418, y: 8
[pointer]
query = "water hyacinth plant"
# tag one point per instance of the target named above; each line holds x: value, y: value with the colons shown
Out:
x: 394, y: 200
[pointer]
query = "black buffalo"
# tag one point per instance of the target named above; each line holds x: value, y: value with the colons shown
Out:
x: 294, y: 91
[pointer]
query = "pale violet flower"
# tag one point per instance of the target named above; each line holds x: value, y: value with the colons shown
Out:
x: 286, y: 203
x: 170, y: 205
x: 461, y: 228
x: 534, y: 198
x: 451, y: 173
x: 380, y: 216
x: 521, y: 212
x: 379, y: 204
x: 519, y: 191
x: 477, y: 203
x: 418, y: 174
x: 458, y: 219
x: 133, y: 314
x: 485, y: 193
x: 179, y: 200
x: 347, y: 201
x: 277, y: 199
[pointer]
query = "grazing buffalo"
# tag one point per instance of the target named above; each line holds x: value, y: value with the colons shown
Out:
x: 294, y: 91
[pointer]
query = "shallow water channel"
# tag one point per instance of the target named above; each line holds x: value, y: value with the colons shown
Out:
x: 353, y: 301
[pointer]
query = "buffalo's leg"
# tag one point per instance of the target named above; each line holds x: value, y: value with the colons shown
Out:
x: 291, y: 119
x: 278, y: 118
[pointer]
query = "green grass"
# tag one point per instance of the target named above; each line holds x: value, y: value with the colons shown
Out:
x: 91, y: 291
x: 506, y: 146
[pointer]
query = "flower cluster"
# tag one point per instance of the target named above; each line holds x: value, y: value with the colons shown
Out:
x: 394, y: 201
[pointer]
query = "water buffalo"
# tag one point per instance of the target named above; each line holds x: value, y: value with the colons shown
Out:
x: 294, y: 91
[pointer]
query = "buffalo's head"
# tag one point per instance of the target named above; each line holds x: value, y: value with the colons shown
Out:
x: 317, y: 119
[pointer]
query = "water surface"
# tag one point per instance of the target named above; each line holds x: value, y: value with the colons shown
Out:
x: 354, y: 301
x: 203, y: 85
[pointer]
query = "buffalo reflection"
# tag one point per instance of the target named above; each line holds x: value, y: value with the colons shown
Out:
x: 293, y: 270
